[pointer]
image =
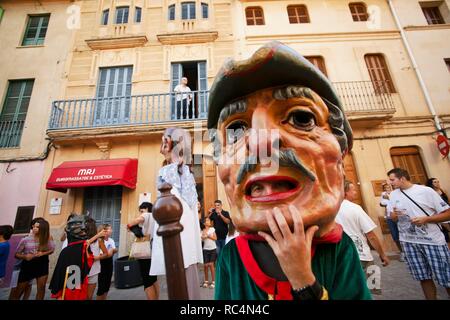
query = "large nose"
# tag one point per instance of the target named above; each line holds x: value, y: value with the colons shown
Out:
x: 262, y: 135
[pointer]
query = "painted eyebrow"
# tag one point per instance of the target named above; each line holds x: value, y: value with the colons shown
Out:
x: 239, y: 106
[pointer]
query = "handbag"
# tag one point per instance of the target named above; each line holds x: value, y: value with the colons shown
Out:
x: 140, y: 248
x: 439, y: 226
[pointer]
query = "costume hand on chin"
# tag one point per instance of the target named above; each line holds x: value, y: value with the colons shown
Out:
x: 293, y: 249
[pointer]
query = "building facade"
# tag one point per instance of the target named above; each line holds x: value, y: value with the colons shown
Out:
x: 359, y: 46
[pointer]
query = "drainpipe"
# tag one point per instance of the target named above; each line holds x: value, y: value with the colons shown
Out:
x: 416, y: 69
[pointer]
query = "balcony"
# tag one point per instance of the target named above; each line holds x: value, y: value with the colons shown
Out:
x: 113, y: 115
x: 10, y: 133
x: 366, y: 102
x: 361, y: 101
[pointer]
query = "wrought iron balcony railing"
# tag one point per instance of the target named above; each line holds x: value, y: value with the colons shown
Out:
x: 128, y: 110
x: 359, y: 97
x: 10, y: 133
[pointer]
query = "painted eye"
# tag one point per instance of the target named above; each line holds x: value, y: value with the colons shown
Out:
x: 302, y: 120
x: 235, y: 131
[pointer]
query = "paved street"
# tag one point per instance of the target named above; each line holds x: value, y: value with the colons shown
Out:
x: 396, y: 284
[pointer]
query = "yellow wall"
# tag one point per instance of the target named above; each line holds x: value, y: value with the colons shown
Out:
x: 430, y: 47
x: 46, y: 64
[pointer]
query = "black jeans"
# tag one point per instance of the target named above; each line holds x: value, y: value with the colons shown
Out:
x: 185, y: 107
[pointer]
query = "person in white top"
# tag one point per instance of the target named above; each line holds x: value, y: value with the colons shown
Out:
x: 183, y: 97
x: 95, y: 247
x: 105, y: 276
x: 393, y: 228
x: 209, y: 252
x: 359, y: 227
x: 418, y: 210
x: 176, y: 148
x: 145, y: 225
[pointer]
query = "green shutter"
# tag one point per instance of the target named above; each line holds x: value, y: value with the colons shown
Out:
x: 14, y: 112
x: 36, y: 30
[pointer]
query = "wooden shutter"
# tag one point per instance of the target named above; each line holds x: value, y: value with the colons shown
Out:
x: 254, y: 15
x: 209, y: 183
x: 319, y: 62
x: 433, y: 15
x: 298, y: 14
x: 359, y: 11
x: 447, y: 62
x: 379, y: 73
x: 36, y: 30
x: 24, y: 216
x: 351, y: 175
x: 409, y: 159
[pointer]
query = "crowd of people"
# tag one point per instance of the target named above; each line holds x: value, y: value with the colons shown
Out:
x: 417, y: 217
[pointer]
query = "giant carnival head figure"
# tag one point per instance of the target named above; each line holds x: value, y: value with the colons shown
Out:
x: 278, y: 105
x: 176, y: 146
x: 76, y: 228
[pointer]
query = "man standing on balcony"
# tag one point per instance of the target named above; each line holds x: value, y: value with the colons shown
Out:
x: 183, y: 97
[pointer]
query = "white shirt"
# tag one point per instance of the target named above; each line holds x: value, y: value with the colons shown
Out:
x: 148, y: 225
x: 356, y: 223
x: 228, y: 238
x: 209, y: 244
x: 96, y: 267
x: 182, y: 89
x: 431, y: 202
x: 387, y: 204
x: 64, y: 244
x: 109, y: 244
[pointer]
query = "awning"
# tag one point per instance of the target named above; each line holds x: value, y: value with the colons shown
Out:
x: 93, y: 173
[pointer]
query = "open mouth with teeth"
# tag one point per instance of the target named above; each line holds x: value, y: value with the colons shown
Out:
x: 270, y: 188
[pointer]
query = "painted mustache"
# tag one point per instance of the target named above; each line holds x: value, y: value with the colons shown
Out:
x: 285, y: 158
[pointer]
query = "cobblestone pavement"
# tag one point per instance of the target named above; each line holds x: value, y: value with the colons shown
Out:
x: 396, y: 284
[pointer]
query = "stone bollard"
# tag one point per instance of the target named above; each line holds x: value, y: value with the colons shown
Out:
x: 167, y: 212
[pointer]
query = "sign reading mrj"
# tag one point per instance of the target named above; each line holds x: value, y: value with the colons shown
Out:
x: 84, y: 175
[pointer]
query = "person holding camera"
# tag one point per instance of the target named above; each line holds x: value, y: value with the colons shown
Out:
x: 221, y: 219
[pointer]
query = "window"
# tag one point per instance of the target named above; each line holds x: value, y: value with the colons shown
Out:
x: 36, y: 30
x: 379, y: 73
x: 447, y: 62
x: 24, y: 215
x: 122, y: 15
x: 319, y: 62
x: 204, y: 10
x: 254, y: 15
x: 172, y: 12
x: 14, y: 112
x: 409, y: 159
x: 187, y: 10
x: 105, y: 17
x: 359, y: 11
x: 114, y: 82
x: 298, y: 14
x: 433, y: 15
x: 138, y: 15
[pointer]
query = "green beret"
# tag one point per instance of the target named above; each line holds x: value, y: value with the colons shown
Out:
x: 272, y: 65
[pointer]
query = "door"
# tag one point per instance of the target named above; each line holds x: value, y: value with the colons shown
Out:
x: 210, y: 183
x: 104, y: 204
x: 351, y: 175
x: 113, y: 96
x: 409, y: 158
